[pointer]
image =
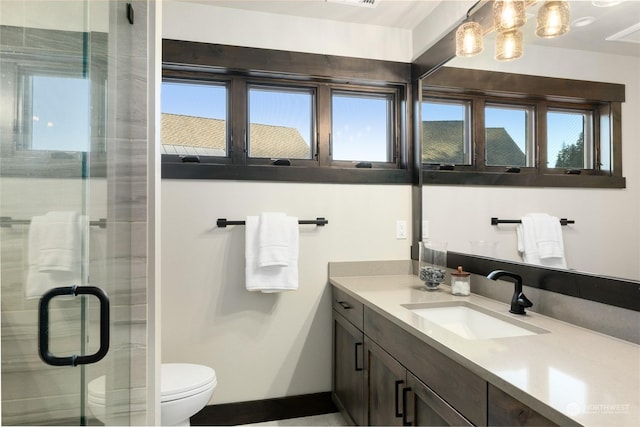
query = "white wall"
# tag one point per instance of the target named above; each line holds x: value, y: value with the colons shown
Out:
x: 264, y: 345
x: 211, y: 24
x: 606, y: 236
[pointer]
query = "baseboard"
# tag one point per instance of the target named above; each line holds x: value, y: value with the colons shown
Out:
x: 258, y: 411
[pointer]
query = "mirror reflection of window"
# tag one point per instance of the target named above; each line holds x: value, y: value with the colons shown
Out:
x: 509, y: 136
x: 59, y: 113
x: 569, y: 139
x: 446, y: 127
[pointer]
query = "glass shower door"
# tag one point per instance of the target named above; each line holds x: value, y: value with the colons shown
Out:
x: 66, y: 304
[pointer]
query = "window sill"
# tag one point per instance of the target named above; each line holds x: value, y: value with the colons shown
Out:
x: 352, y: 175
x: 430, y: 177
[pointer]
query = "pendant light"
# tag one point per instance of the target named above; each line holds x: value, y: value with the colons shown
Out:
x: 508, y: 17
x: 509, y: 14
x: 509, y: 45
x: 553, y: 19
x: 469, y: 39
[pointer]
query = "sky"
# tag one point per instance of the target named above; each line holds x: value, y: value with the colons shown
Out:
x: 60, y: 114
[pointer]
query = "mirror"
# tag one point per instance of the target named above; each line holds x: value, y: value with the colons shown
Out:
x: 605, y: 238
x: 54, y: 92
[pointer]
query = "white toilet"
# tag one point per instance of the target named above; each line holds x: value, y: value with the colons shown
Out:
x: 184, y: 389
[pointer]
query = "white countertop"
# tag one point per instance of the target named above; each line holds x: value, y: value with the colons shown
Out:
x: 590, y: 378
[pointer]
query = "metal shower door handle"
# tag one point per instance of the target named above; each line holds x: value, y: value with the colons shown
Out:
x: 43, y: 326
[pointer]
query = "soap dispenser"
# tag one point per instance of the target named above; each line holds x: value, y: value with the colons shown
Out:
x: 460, y: 282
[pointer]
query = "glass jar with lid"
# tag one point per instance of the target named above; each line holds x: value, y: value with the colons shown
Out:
x: 460, y: 282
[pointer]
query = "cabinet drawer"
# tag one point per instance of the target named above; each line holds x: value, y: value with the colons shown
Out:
x: 348, y: 306
x: 459, y: 387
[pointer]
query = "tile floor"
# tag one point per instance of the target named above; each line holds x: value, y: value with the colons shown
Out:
x: 333, y: 419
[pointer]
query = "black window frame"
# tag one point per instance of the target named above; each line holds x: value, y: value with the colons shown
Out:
x: 244, y: 67
x: 543, y: 93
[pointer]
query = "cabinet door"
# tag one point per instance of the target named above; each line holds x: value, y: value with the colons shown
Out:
x: 348, y: 368
x: 426, y: 408
x: 384, y: 380
x: 505, y: 410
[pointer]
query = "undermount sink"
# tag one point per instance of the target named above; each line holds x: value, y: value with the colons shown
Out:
x: 471, y: 321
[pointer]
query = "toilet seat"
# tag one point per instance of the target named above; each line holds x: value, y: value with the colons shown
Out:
x: 180, y: 380
x: 177, y: 381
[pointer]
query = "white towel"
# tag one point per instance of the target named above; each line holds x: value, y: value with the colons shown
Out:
x: 272, y: 278
x: 540, y: 240
x: 54, y: 252
x: 59, y: 245
x: 274, y: 235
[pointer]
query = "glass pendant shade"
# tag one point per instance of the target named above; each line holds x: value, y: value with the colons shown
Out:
x: 509, y: 15
x: 469, y: 39
x: 509, y: 45
x: 553, y: 19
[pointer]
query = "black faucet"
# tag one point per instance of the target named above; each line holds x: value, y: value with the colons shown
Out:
x: 518, y: 302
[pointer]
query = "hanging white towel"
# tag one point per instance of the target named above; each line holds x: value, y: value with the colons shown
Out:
x: 272, y: 278
x: 540, y: 240
x: 59, y: 245
x: 54, y: 252
x: 274, y: 237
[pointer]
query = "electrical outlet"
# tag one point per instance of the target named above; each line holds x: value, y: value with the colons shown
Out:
x: 401, y: 229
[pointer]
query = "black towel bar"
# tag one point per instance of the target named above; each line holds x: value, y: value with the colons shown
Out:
x: 496, y: 221
x: 321, y: 222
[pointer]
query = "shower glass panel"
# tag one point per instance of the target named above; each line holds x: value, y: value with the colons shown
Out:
x: 58, y: 103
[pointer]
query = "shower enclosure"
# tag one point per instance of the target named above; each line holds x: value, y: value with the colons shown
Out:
x: 73, y: 207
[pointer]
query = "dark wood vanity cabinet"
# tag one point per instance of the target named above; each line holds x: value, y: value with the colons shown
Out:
x: 435, y: 391
x: 384, y: 375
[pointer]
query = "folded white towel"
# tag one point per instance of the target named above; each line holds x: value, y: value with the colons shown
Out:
x: 274, y: 235
x: 540, y: 240
x: 272, y: 278
x: 49, y: 266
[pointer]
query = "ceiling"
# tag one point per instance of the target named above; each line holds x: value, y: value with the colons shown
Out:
x: 387, y: 13
x: 623, y: 18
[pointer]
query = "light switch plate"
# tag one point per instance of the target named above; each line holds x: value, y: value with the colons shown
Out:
x: 401, y: 229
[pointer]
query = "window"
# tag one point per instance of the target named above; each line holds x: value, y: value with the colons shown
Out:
x: 362, y: 127
x: 194, y: 118
x: 523, y: 130
x: 281, y: 122
x: 260, y: 114
x: 446, y: 132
